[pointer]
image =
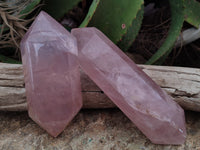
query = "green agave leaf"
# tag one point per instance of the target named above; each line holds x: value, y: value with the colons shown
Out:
x: 192, y: 14
x: 90, y: 13
x: 30, y: 6
x: 177, y: 19
x: 57, y: 9
x: 128, y: 38
x: 115, y: 18
x: 5, y: 59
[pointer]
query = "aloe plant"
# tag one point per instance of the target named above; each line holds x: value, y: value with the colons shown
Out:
x: 119, y: 20
x: 57, y: 9
x: 177, y: 19
x: 192, y: 14
x: 128, y: 38
x: 29, y: 7
x: 5, y: 59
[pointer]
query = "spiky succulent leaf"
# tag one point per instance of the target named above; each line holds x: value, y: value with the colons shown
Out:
x: 116, y: 19
x: 177, y: 19
x: 58, y: 9
x: 90, y: 13
x: 128, y: 38
x: 5, y: 59
x: 28, y: 8
x: 192, y: 14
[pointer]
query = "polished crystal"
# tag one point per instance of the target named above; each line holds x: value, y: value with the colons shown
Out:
x: 52, y: 80
x: 142, y: 100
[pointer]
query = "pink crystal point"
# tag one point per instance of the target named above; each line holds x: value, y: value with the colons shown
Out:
x: 146, y: 105
x: 52, y: 80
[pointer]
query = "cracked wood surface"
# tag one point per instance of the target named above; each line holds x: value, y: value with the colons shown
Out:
x: 183, y: 84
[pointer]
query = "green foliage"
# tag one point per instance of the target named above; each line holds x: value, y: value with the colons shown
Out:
x: 90, y: 13
x: 30, y: 6
x: 119, y: 20
x: 14, y: 23
x: 192, y: 14
x: 177, y: 11
x: 5, y: 59
x: 128, y: 38
x: 57, y: 9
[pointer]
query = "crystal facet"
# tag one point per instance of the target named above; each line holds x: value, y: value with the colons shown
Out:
x: 52, y: 80
x: 141, y: 99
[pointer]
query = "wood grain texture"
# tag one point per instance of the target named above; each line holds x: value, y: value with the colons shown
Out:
x: 183, y: 84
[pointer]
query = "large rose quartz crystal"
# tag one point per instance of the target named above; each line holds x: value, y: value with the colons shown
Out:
x: 52, y: 80
x: 145, y: 104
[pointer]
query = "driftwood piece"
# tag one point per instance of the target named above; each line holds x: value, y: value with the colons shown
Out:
x: 183, y: 84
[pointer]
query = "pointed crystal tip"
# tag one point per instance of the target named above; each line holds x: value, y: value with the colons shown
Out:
x: 136, y: 94
x: 51, y: 70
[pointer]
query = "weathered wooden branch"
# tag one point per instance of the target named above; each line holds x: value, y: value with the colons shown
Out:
x: 183, y: 84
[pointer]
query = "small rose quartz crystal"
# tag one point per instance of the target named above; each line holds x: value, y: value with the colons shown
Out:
x: 142, y: 100
x: 52, y: 80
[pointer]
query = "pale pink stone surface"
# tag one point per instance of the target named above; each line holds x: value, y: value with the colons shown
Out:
x: 149, y: 108
x: 52, y: 80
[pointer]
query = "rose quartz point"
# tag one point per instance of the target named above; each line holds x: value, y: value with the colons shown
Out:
x: 52, y: 80
x: 141, y: 99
